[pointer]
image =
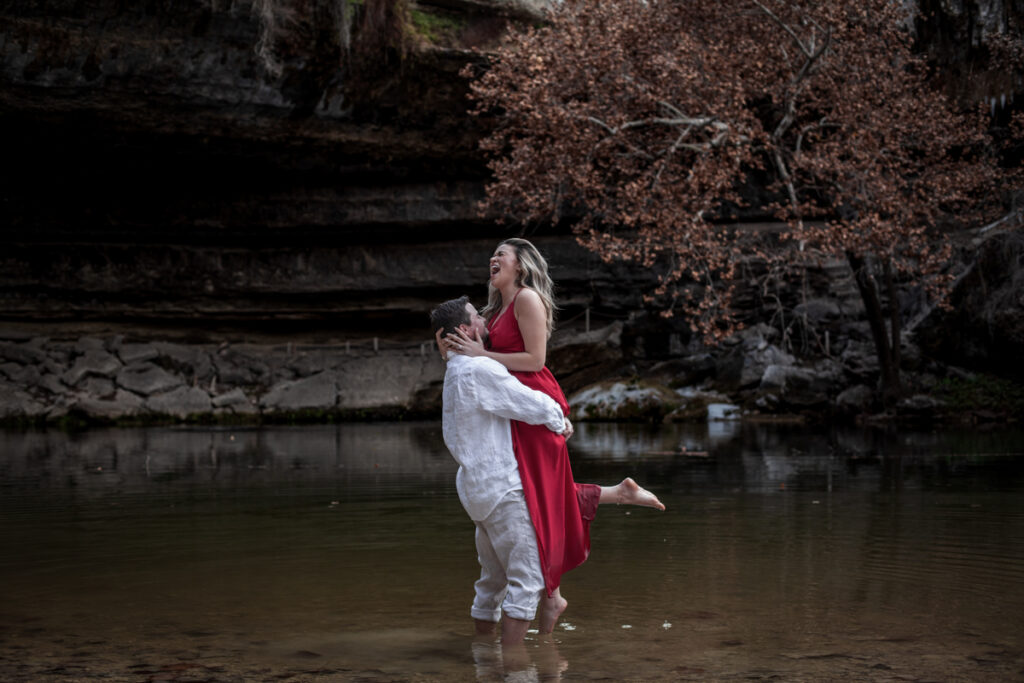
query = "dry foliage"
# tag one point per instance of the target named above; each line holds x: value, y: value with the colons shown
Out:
x: 642, y: 121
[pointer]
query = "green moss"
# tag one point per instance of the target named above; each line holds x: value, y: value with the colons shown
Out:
x: 983, y: 392
x: 436, y: 28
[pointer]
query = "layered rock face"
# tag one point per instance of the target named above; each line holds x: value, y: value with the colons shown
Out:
x: 158, y: 174
x: 155, y: 168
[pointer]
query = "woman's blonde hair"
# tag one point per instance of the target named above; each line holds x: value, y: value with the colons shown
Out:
x: 533, y: 273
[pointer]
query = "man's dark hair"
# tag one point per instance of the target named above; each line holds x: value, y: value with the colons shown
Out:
x: 450, y: 315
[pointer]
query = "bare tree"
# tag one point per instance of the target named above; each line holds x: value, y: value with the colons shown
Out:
x: 642, y: 121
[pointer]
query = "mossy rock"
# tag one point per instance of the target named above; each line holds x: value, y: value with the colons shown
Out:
x: 624, y: 401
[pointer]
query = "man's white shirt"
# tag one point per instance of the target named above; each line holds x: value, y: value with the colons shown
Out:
x: 480, y: 397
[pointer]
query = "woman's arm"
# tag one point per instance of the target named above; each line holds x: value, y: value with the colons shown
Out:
x: 529, y: 312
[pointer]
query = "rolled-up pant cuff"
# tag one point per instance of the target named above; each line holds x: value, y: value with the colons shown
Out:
x: 492, y: 615
x: 517, y: 612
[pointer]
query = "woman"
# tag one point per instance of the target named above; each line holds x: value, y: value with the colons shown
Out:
x: 520, y: 314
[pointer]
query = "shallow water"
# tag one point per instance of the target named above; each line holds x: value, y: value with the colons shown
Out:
x: 342, y: 553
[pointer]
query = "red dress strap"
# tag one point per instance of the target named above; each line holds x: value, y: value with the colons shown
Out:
x: 511, y: 306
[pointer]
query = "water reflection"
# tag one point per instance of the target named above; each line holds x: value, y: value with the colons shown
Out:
x: 129, y: 461
x: 341, y: 552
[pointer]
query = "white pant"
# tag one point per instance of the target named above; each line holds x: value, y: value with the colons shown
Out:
x: 511, y: 579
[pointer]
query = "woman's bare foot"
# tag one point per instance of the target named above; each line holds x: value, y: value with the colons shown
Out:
x: 550, y: 609
x: 628, y: 492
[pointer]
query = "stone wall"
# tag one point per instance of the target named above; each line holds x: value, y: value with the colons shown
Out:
x: 123, y: 379
x: 111, y: 379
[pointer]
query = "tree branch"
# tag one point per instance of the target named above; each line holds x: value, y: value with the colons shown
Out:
x: 723, y: 134
x: 823, y: 123
x: 787, y: 28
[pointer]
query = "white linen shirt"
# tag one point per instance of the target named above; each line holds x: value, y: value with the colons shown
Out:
x: 480, y: 396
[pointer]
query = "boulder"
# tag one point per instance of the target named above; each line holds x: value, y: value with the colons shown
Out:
x: 189, y: 361
x: 59, y: 408
x: 29, y: 376
x: 11, y: 371
x: 99, y: 387
x: 94, y: 362
x: 235, y: 402
x: 307, y: 364
x: 750, y: 352
x: 234, y: 369
x: 768, y: 403
x: 124, y: 404
x: 800, y: 387
x: 920, y: 406
x: 59, y: 353
x: 51, y: 383
x: 24, y: 354
x: 722, y: 412
x: 87, y: 344
x: 17, y: 404
x: 756, y: 362
x: 180, y: 402
x: 319, y: 392
x: 624, y: 401
x: 51, y: 366
x: 694, y: 405
x: 856, y: 400
x: 776, y: 376
x: 232, y: 398
x: 860, y: 359
x: 114, y: 344
x: 131, y: 354
x: 146, y: 379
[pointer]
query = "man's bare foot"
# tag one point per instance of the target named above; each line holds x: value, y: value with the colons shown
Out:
x: 628, y: 492
x: 550, y: 609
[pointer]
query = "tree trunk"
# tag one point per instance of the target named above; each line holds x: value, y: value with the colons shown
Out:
x: 887, y: 350
x: 895, y: 324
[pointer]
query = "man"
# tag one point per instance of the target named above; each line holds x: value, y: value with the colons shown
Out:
x: 480, y: 397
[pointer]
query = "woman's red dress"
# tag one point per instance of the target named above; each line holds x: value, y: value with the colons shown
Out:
x: 560, y: 509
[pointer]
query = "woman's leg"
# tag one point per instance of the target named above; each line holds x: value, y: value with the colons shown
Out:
x: 550, y: 609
